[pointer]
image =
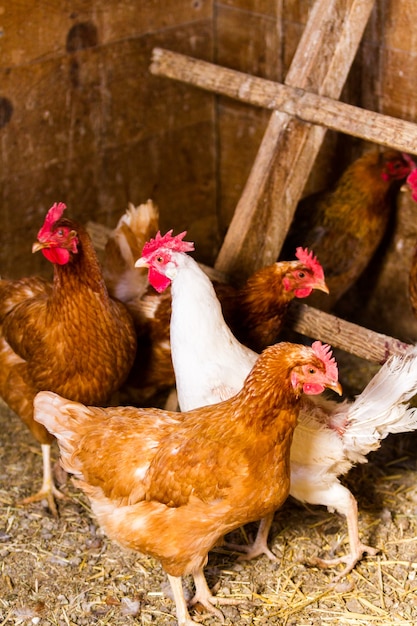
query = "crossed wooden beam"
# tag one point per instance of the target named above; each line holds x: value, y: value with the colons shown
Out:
x: 303, y: 108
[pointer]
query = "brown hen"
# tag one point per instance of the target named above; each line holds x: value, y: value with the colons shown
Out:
x: 172, y: 484
x: 345, y: 225
x: 67, y: 336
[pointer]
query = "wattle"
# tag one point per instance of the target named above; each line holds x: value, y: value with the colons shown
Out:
x: 312, y: 389
x: 158, y: 280
x: 303, y: 293
x: 59, y: 256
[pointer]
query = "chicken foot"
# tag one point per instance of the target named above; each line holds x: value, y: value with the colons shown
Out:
x: 259, y: 546
x: 349, y: 508
x: 181, y: 608
x: 202, y: 596
x: 48, y: 491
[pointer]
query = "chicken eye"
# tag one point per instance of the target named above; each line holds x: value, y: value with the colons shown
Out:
x: 311, y: 370
x: 60, y: 232
x: 301, y: 274
x: 159, y: 259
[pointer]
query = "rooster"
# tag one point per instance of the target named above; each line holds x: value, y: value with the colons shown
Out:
x: 172, y: 484
x: 68, y: 336
x: 211, y: 365
x: 345, y: 224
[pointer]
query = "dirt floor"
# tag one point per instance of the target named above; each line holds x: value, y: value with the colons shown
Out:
x: 64, y: 571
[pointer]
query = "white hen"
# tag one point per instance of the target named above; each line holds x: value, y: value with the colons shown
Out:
x: 209, y: 362
x: 211, y: 365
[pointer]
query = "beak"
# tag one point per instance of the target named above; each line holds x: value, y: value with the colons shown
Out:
x: 38, y: 246
x: 322, y: 287
x: 141, y: 262
x: 335, y: 386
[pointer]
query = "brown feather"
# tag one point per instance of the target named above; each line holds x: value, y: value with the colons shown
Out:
x: 68, y: 336
x: 172, y: 484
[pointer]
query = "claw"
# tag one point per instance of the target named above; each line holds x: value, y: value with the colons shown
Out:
x: 204, y: 597
x: 349, y: 559
x: 48, y: 491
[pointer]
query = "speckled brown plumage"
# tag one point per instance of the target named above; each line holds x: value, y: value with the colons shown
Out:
x: 68, y: 336
x: 172, y: 484
x: 345, y: 224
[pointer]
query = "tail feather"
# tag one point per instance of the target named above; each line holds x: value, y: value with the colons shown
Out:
x: 382, y: 408
x: 58, y: 414
x: 124, y: 247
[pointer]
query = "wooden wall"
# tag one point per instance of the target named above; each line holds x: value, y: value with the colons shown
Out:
x: 83, y: 121
x: 260, y: 37
x: 382, y: 79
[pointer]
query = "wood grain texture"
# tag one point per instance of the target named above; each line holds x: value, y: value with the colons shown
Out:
x: 354, y: 339
x: 368, y: 125
x: 289, y: 146
x: 94, y: 129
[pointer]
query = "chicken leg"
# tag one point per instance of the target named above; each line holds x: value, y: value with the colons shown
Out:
x: 202, y: 596
x: 259, y: 546
x: 181, y: 608
x: 347, y: 506
x: 48, y: 490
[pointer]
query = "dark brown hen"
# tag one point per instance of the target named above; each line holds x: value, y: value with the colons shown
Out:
x: 344, y: 225
x: 67, y: 336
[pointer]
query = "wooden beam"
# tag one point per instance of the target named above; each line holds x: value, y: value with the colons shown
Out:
x: 289, y: 146
x: 346, y: 118
x: 344, y: 335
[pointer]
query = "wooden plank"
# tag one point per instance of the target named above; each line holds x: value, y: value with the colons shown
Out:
x: 289, y: 146
x: 309, y: 107
x: 354, y: 339
x: 249, y: 40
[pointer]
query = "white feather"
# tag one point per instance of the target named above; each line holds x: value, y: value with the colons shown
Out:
x: 210, y: 364
x: 382, y: 407
x: 319, y: 452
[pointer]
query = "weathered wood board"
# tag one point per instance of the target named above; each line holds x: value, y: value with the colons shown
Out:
x: 84, y: 122
x: 289, y: 147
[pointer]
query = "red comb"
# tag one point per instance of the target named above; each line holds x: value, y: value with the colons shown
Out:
x: 54, y: 213
x: 324, y: 353
x: 310, y: 261
x: 167, y: 241
x: 412, y: 177
x: 412, y: 183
